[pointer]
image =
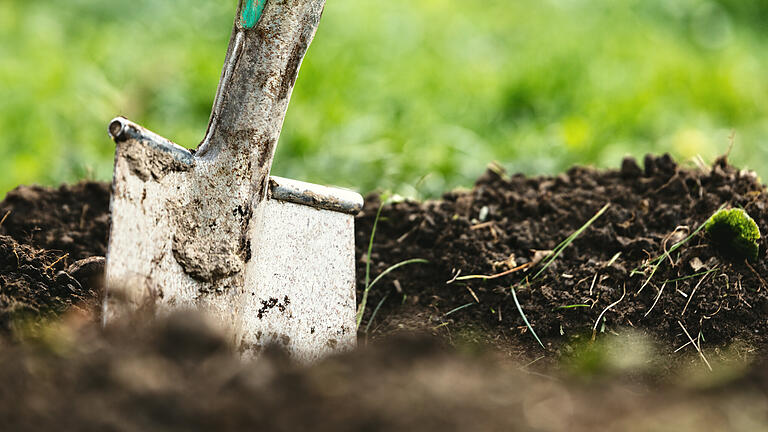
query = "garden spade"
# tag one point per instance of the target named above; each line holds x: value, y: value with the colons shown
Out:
x: 270, y: 259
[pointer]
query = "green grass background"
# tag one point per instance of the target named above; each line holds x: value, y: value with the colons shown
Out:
x: 412, y: 96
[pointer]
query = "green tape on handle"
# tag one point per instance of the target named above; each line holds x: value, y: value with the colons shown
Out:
x: 252, y: 12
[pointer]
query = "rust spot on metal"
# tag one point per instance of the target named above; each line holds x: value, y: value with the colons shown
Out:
x: 292, y: 68
x: 266, y: 147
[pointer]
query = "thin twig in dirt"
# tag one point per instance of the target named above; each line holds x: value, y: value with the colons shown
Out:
x: 600, y: 317
x: 50, y: 266
x: 690, y: 297
x: 709, y: 317
x: 591, y: 287
x: 453, y: 279
x: 698, y: 348
x: 661, y: 290
x: 667, y: 238
x: 16, y: 253
x: 474, y: 296
x: 482, y: 225
x: 491, y: 225
x: 5, y: 217
x: 496, y: 276
x: 669, y: 182
x: 762, y: 281
x: 683, y: 346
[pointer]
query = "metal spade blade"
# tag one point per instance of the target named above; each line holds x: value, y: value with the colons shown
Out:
x: 271, y: 259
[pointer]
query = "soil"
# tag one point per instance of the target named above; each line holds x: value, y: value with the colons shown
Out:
x: 503, y: 221
x: 442, y: 353
x: 52, y: 247
x: 72, y: 219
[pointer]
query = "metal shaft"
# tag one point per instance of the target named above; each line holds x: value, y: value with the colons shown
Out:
x: 268, y: 43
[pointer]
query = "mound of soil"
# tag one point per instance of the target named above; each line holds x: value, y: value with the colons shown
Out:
x: 503, y: 223
x: 52, y: 247
x: 180, y: 374
x: 73, y: 219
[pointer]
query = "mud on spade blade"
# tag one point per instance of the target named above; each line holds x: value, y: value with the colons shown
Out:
x: 270, y: 259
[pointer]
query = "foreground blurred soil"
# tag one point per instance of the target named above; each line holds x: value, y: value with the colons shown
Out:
x: 442, y: 353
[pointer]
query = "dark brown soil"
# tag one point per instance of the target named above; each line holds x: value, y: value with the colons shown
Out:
x: 52, y: 244
x: 179, y: 374
x: 649, y: 208
x: 73, y: 220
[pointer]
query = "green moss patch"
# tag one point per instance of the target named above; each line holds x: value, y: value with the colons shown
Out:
x: 734, y: 231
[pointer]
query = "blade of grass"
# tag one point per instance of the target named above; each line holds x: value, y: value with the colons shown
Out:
x: 395, y: 267
x: 574, y: 306
x: 565, y: 243
x: 460, y: 308
x: 370, y: 243
x: 692, y: 276
x: 364, y: 301
x: 375, y: 311
x: 495, y: 276
x: 525, y: 319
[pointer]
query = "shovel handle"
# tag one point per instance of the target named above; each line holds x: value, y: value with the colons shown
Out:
x: 268, y: 43
x: 251, y: 12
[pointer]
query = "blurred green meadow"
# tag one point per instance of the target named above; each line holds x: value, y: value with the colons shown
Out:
x: 411, y: 96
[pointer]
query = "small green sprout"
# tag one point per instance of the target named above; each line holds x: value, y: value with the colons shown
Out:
x: 734, y: 231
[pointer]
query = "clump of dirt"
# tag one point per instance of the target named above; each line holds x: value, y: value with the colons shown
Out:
x: 504, y: 221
